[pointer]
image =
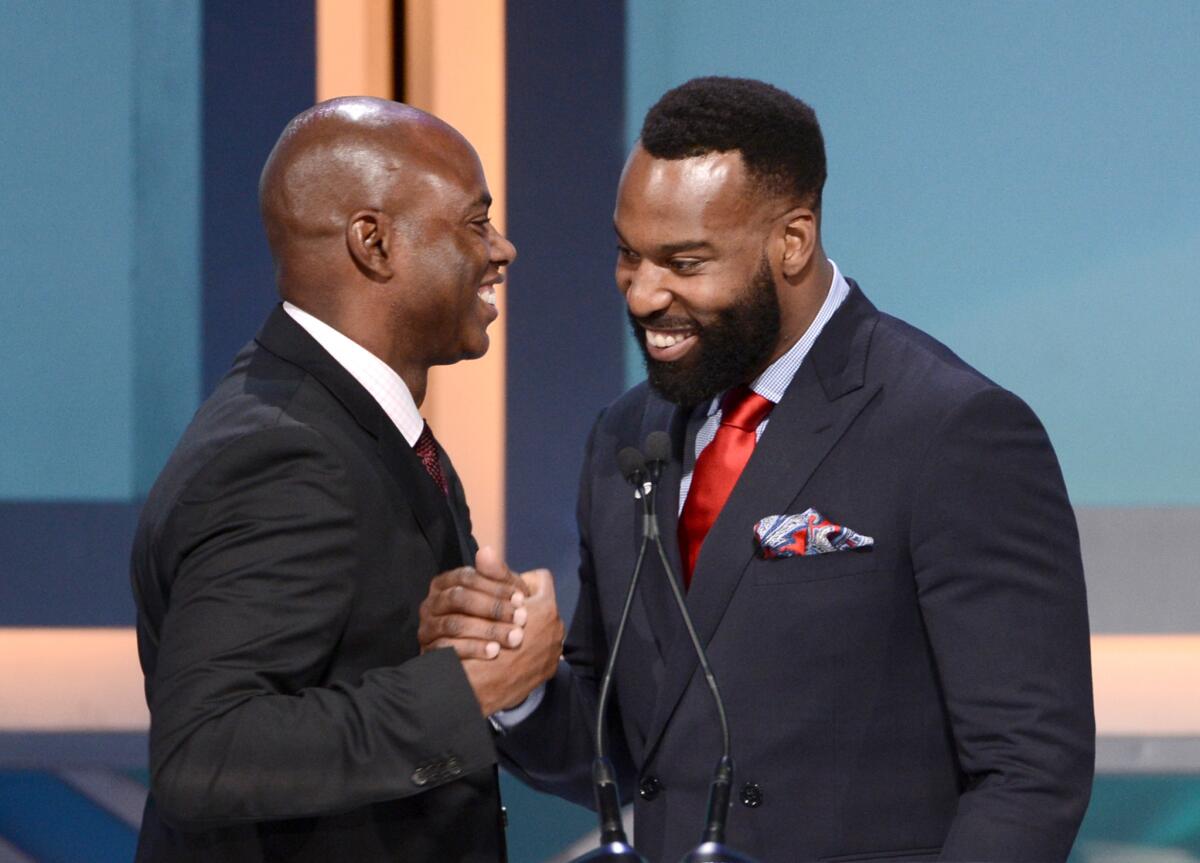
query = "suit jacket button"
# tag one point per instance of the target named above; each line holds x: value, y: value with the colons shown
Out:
x: 420, y: 776
x: 752, y: 796
x: 650, y: 788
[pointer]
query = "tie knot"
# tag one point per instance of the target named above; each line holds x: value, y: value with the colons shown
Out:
x: 427, y: 451
x: 743, y: 408
x: 425, y: 444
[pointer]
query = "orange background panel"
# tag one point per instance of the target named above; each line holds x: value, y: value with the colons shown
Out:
x: 89, y: 680
x: 454, y: 69
x: 1147, y: 685
x: 354, y: 48
x: 58, y: 679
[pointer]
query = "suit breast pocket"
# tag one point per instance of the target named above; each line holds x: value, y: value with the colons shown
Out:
x: 816, y: 567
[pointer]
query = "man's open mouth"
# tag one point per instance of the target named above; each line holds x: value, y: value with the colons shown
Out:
x: 668, y: 345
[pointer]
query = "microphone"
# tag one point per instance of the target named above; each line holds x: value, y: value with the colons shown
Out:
x: 712, y: 848
x: 614, y: 846
x: 658, y: 450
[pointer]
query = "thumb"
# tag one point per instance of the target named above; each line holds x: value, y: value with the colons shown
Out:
x: 540, y: 583
x: 488, y: 562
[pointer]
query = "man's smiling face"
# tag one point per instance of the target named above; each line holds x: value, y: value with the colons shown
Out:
x: 693, y: 268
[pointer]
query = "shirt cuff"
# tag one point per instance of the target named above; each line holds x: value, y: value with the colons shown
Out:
x: 506, y: 720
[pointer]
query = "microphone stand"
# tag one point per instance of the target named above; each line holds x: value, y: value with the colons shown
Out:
x: 614, y: 846
x: 712, y: 848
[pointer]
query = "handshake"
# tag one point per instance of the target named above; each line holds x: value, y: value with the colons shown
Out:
x: 504, y: 627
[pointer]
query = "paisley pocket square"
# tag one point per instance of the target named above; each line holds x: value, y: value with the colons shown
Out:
x: 805, y: 534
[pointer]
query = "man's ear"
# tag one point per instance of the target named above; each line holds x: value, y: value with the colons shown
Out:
x: 799, y: 241
x: 369, y: 241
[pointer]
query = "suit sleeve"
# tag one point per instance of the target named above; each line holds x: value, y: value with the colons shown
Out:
x: 996, y: 555
x: 553, y: 748
x: 245, y: 727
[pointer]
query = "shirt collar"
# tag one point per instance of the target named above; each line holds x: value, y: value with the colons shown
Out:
x: 376, y: 377
x: 776, y: 378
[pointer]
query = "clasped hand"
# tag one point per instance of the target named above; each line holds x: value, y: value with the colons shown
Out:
x: 504, y: 627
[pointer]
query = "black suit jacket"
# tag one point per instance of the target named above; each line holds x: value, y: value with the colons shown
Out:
x: 928, y: 698
x: 278, y: 568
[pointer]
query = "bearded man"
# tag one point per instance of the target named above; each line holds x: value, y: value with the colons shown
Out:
x: 875, y: 539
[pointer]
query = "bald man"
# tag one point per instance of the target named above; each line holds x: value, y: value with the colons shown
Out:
x: 284, y: 551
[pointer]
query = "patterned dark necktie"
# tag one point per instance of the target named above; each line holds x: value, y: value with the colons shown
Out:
x: 427, y: 451
x: 717, y: 470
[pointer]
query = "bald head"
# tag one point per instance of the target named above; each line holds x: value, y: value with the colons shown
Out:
x: 377, y: 215
x: 337, y: 158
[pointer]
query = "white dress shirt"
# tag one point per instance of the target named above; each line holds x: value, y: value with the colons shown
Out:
x: 376, y: 376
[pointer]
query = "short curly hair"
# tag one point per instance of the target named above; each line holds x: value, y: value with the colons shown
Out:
x: 777, y: 134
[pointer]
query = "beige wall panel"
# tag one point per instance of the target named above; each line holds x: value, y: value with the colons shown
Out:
x: 1147, y: 685
x: 455, y: 69
x: 354, y: 48
x: 60, y: 679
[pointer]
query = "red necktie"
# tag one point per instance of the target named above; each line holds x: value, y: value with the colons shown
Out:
x: 717, y: 470
x: 427, y: 451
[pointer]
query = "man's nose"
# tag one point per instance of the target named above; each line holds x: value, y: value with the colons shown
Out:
x: 645, y: 291
x: 503, y: 250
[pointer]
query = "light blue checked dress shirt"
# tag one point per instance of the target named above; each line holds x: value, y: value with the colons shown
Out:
x: 774, y: 381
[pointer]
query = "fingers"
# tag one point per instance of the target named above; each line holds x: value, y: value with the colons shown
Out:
x: 465, y: 600
x: 466, y: 648
x: 461, y: 628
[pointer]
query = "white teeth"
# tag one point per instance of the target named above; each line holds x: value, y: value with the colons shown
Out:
x: 663, y: 340
x: 488, y: 295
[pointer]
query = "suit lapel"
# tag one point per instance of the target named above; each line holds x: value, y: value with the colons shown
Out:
x: 653, y: 590
x: 459, y: 509
x: 429, y: 505
x: 824, y: 398
x: 285, y: 338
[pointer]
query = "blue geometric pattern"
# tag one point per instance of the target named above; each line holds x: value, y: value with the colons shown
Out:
x: 45, y: 819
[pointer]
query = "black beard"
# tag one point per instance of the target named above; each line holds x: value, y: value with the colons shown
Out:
x: 731, y: 350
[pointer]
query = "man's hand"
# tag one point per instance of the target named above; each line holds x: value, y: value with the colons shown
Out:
x: 505, y: 628
x: 506, y: 680
x: 475, y: 610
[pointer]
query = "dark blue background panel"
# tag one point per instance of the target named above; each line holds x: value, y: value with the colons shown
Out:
x: 566, y: 73
x: 66, y: 564
x: 259, y: 71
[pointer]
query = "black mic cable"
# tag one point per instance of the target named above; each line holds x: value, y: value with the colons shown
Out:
x: 712, y: 848
x: 614, y: 846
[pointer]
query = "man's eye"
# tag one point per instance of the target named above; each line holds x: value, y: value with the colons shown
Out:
x: 626, y: 253
x: 683, y: 265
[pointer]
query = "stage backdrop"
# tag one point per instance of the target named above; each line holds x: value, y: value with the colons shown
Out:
x: 1018, y: 178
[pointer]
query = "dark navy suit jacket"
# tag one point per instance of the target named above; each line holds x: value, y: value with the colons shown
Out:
x: 278, y: 569
x: 928, y: 698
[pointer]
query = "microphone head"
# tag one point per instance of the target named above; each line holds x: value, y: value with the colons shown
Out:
x: 715, y: 852
x: 657, y: 447
x: 631, y: 464
x: 614, y: 852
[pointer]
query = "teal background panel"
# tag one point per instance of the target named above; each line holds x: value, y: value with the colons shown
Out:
x: 1151, y: 813
x: 1016, y: 178
x: 540, y: 826
x: 98, y: 215
x: 66, y: 235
